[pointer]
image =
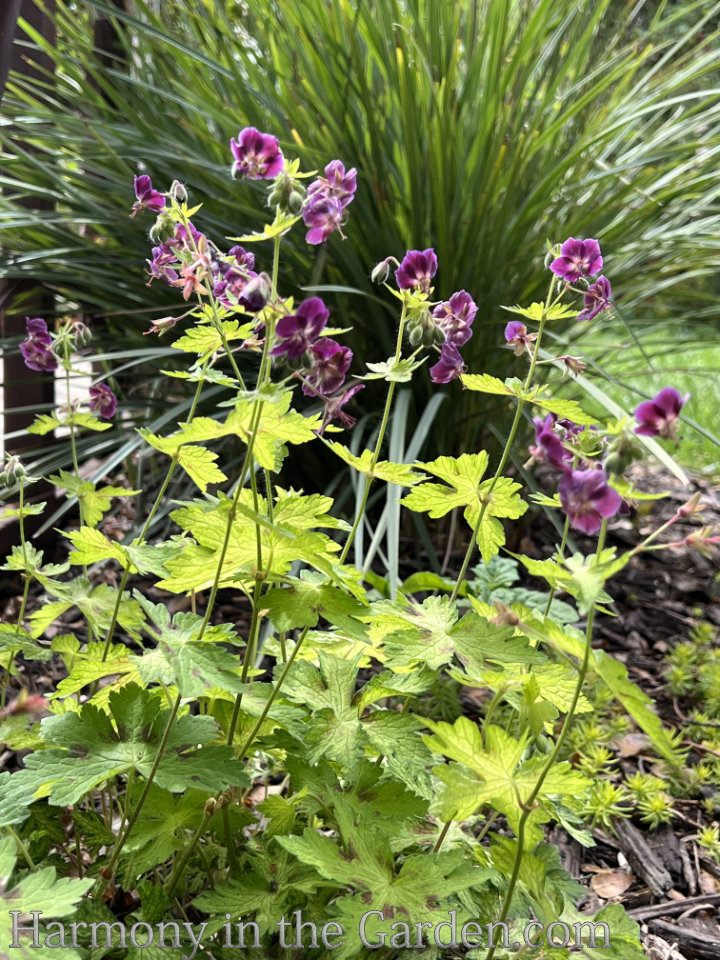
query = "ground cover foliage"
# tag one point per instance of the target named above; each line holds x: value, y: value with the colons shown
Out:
x: 477, y: 127
x: 136, y: 795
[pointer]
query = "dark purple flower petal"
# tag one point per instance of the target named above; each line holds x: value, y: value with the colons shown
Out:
x: 334, y: 407
x: 417, y: 270
x: 588, y: 499
x: 336, y: 184
x: 455, y: 317
x: 514, y: 330
x: 330, y: 364
x: 257, y: 155
x: 323, y: 215
x: 147, y: 198
x: 449, y: 367
x: 548, y: 445
x: 296, y: 333
x: 657, y: 417
x: 102, y: 401
x: 578, y: 259
x: 37, y: 349
x: 596, y: 299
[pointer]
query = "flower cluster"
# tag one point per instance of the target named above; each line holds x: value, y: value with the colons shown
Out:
x: 37, y: 349
x: 38, y: 354
x: 327, y: 199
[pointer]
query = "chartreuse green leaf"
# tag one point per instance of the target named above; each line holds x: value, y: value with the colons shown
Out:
x: 194, y: 667
x: 393, y: 370
x: 41, y: 890
x: 289, y: 537
x: 537, y: 395
x: 28, y: 510
x: 280, y: 225
x: 278, y: 426
x: 493, y: 773
x: 89, y: 747
x: 97, y: 604
x: 20, y: 641
x: 462, y: 487
x: 206, y: 339
x: 92, y: 546
x: 401, y: 473
x: 305, y: 599
x: 96, y: 502
x: 30, y: 560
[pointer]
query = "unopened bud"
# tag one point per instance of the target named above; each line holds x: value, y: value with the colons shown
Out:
x: 178, y: 192
x: 255, y: 294
x: 14, y: 471
x: 295, y: 202
x: 82, y: 334
x: 573, y: 364
x: 415, y: 335
x: 691, y: 507
x: 163, y: 229
x: 275, y: 197
x: 211, y: 806
x: 381, y: 271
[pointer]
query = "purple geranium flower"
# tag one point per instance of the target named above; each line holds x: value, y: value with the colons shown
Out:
x: 103, y: 401
x: 147, y: 198
x: 548, y: 445
x: 588, y: 499
x: 657, y: 417
x: 517, y: 336
x: 337, y: 183
x: 300, y: 330
x: 596, y: 299
x: 334, y: 407
x: 330, y: 363
x: 449, y: 367
x: 37, y: 349
x: 417, y: 270
x: 578, y: 258
x: 257, y: 155
x: 455, y: 317
x: 323, y: 215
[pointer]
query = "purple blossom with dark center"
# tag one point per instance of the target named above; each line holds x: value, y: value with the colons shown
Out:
x: 334, y: 407
x: 330, y: 364
x: 243, y: 258
x: 37, y: 349
x: 337, y: 184
x: 300, y: 330
x: 588, y: 499
x: 455, y: 317
x: 417, y: 270
x: 578, y: 259
x: 517, y: 336
x: 102, y: 401
x: 147, y: 198
x: 257, y: 155
x: 160, y: 268
x: 596, y: 299
x: 323, y: 215
x: 450, y: 366
x: 657, y: 417
x: 548, y: 445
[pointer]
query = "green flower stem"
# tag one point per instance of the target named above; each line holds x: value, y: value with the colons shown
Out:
x: 529, y: 804
x: 122, y: 839
x: 143, y: 534
x: 22, y: 848
x: 443, y: 834
x: 378, y: 444
x: 506, y: 451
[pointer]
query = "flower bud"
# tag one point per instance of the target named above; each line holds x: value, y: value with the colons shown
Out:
x: 14, y: 471
x: 178, y: 192
x: 415, y: 334
x: 275, y: 197
x: 163, y: 229
x: 82, y: 334
x: 381, y: 271
x: 295, y: 202
x: 255, y: 294
x: 211, y: 805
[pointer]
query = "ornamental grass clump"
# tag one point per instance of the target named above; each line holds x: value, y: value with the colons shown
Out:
x: 296, y: 760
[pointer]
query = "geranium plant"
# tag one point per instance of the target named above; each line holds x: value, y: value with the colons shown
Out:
x: 293, y: 784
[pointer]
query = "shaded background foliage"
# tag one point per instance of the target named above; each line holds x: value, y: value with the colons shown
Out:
x: 481, y: 128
